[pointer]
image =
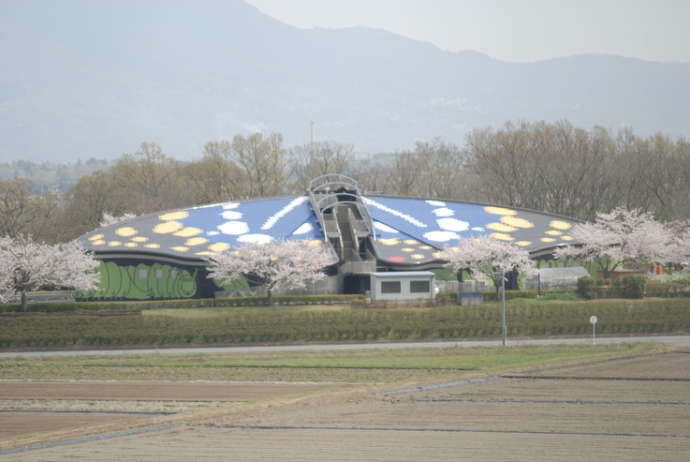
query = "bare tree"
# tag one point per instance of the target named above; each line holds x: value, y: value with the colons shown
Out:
x: 215, y: 178
x: 150, y: 179
x: 263, y: 162
x: 320, y: 158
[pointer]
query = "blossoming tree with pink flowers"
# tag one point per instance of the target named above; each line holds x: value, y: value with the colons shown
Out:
x: 27, y: 265
x: 279, y: 264
x: 620, y: 236
x: 487, y: 255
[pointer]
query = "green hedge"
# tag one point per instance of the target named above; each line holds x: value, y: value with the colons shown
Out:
x: 285, y: 324
x: 185, y: 303
x: 667, y: 289
x: 512, y: 294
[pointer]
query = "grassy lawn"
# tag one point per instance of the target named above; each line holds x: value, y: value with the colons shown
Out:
x: 362, y: 366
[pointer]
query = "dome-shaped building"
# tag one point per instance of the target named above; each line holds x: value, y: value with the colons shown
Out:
x: 162, y: 255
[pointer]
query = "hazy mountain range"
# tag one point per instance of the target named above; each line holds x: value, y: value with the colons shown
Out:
x: 82, y: 78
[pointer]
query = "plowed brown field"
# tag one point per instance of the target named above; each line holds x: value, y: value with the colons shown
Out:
x: 634, y: 409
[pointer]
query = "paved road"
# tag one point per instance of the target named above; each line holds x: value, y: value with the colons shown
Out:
x: 676, y: 340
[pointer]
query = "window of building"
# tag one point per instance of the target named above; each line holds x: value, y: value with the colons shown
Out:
x: 390, y: 287
x: 417, y: 287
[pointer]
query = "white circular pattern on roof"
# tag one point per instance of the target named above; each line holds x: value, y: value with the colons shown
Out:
x: 440, y: 236
x: 443, y: 212
x: 234, y: 227
x: 255, y: 239
x: 436, y: 203
x: 232, y: 215
x: 231, y: 205
x: 452, y: 224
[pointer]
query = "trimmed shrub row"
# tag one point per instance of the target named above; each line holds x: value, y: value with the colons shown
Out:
x: 185, y: 303
x: 284, y: 325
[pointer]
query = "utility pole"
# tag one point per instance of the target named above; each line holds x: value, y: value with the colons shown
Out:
x: 504, y: 323
x: 311, y: 132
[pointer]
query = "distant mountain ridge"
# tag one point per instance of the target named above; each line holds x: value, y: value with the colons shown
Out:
x: 85, y: 79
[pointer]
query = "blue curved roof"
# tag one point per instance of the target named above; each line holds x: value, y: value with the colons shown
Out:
x: 407, y: 231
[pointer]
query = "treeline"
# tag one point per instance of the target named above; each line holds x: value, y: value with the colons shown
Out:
x: 552, y: 167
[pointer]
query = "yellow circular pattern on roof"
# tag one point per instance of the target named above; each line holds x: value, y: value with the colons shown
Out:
x: 180, y: 248
x: 140, y: 239
x: 114, y: 244
x: 96, y: 237
x: 502, y: 236
x: 517, y: 222
x: 391, y: 241
x: 562, y: 225
x: 553, y: 232
x: 131, y: 244
x: 152, y: 246
x: 167, y: 227
x: 501, y: 227
x: 196, y: 241
x: 407, y: 249
x: 219, y: 246
x: 523, y: 243
x: 98, y: 242
x: 567, y: 238
x: 547, y: 239
x: 125, y: 231
x: 499, y: 211
x: 174, y: 215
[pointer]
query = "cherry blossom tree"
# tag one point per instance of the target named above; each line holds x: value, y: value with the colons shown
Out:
x: 680, y: 249
x: 285, y: 264
x: 487, y: 255
x: 620, y: 236
x: 6, y: 290
x: 28, y: 265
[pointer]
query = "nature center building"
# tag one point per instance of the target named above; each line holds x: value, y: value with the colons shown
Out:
x: 162, y: 255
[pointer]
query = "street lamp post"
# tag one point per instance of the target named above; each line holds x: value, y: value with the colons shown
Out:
x: 504, y: 323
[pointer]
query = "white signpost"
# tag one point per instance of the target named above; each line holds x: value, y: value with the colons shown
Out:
x: 593, y: 321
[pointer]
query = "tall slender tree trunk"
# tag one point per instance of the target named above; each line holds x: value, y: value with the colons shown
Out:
x: 269, y: 296
x: 24, y: 301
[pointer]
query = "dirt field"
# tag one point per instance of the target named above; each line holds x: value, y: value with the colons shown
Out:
x: 19, y: 423
x: 155, y: 391
x: 634, y: 409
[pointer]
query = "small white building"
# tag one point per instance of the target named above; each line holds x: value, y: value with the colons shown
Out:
x: 402, y: 285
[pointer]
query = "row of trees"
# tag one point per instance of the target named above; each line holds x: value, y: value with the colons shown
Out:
x: 552, y: 167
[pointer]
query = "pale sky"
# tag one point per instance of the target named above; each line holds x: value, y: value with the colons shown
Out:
x: 511, y: 30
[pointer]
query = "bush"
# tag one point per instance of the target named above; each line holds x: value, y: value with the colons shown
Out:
x: 586, y: 288
x: 568, y: 296
x: 185, y: 303
x: 513, y: 294
x: 633, y: 286
x: 667, y: 289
